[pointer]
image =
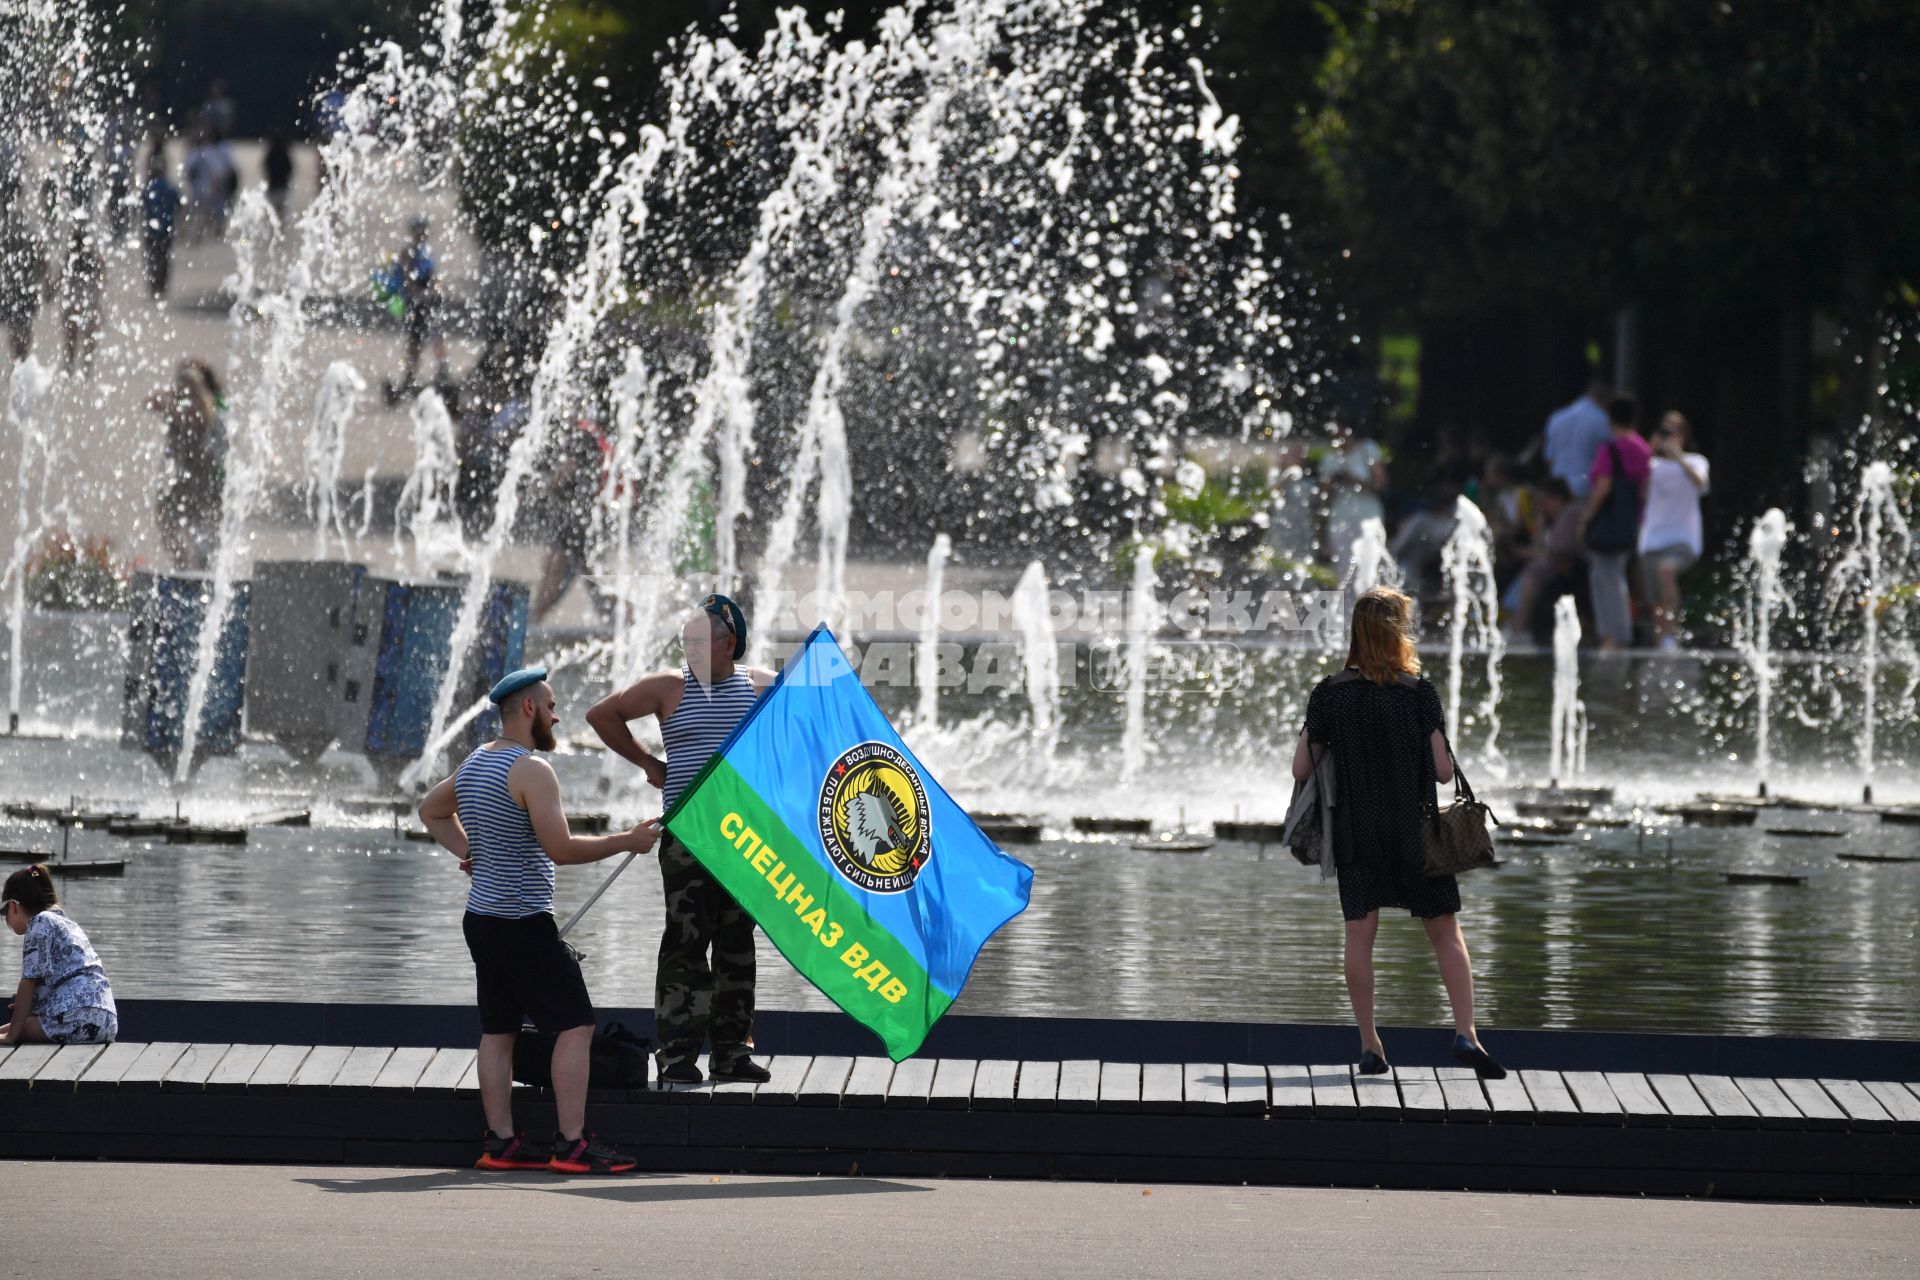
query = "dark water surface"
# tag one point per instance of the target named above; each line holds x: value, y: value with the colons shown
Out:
x: 1616, y: 930
x: 1606, y: 933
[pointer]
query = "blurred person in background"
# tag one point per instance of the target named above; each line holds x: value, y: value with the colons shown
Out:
x: 159, y: 218
x: 1574, y: 435
x: 412, y: 278
x: 194, y: 488
x: 23, y: 264
x: 1549, y: 568
x: 1352, y: 476
x: 83, y: 297
x: 278, y: 166
x: 1610, y: 522
x: 1670, y: 533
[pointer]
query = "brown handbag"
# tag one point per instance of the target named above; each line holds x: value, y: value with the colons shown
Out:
x: 1459, y: 837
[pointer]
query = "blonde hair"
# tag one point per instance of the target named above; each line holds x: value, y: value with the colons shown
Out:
x: 1381, y: 647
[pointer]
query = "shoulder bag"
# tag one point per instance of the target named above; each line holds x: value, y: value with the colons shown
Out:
x: 1458, y: 837
x: 1616, y: 526
x: 1308, y: 830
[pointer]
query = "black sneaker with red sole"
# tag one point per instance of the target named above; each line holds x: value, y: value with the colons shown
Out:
x: 587, y: 1154
x: 512, y: 1153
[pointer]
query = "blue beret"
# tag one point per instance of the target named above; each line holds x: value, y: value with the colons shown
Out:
x: 514, y: 681
x: 731, y: 616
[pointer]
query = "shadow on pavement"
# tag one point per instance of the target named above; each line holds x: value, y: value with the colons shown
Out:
x: 626, y: 1188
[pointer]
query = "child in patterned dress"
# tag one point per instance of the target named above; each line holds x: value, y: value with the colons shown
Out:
x: 63, y: 997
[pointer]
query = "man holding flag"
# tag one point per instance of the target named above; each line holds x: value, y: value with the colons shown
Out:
x: 818, y: 821
x: 704, y: 985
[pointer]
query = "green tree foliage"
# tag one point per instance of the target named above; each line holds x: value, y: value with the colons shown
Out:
x: 1486, y: 152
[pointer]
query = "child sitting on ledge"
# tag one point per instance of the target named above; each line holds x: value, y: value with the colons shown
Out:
x: 63, y: 997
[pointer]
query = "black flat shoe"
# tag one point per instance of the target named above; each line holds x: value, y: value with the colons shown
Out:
x: 1469, y: 1054
x: 1372, y: 1064
x: 740, y: 1071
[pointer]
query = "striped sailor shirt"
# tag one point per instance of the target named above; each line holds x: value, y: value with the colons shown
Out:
x: 512, y: 874
x: 700, y: 724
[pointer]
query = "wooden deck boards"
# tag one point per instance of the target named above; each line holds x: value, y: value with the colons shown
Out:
x: 1577, y: 1130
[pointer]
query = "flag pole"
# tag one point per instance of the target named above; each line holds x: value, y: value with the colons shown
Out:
x: 606, y: 884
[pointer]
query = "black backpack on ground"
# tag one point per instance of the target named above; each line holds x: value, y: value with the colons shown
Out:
x: 619, y: 1059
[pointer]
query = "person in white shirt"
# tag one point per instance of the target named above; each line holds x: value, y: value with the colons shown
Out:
x: 1670, y: 535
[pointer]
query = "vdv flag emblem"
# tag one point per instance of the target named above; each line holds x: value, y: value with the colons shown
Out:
x: 845, y: 850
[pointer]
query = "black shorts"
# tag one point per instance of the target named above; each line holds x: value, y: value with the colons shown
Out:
x: 523, y: 970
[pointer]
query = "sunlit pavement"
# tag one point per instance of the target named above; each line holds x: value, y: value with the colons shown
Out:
x: 85, y: 1219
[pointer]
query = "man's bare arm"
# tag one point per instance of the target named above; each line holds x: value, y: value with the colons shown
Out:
x: 441, y: 816
x: 610, y: 717
x: 532, y: 782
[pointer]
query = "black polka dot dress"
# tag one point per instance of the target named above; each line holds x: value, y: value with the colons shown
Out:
x: 1383, y: 778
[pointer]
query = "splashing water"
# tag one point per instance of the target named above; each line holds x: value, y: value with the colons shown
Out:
x: 912, y: 158
x: 927, y: 668
x: 403, y: 104
x: 727, y: 390
x: 956, y: 201
x: 1467, y: 564
x: 595, y: 288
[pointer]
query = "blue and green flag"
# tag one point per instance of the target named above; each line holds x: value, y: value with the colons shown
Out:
x: 859, y: 867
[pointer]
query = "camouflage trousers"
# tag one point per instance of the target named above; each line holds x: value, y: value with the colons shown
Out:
x: 694, y: 998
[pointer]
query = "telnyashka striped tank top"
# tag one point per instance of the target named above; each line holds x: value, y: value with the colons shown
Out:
x: 512, y: 874
x: 702, y: 721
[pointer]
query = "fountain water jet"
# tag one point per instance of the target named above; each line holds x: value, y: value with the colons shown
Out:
x: 636, y: 452
x: 1866, y: 577
x: 1142, y: 618
x: 27, y: 389
x: 1373, y: 564
x: 1467, y: 563
x: 255, y: 235
x: 927, y: 668
x: 341, y: 387
x: 426, y: 507
x: 1755, y: 635
x: 1040, y: 662
x: 1567, y: 733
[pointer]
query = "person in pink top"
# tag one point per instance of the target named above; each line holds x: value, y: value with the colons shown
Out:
x: 1610, y: 524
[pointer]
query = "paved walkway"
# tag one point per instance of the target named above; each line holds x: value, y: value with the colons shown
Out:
x: 194, y: 1221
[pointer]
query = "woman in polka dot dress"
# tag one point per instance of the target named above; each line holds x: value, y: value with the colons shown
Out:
x: 1383, y: 726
